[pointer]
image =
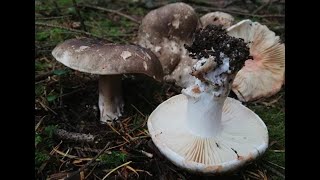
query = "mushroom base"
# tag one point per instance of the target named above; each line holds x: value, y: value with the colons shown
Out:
x: 110, y: 98
x: 242, y: 138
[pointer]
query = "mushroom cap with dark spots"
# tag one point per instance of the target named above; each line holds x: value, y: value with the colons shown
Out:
x: 176, y: 20
x: 217, y: 18
x: 103, y: 58
x: 165, y: 30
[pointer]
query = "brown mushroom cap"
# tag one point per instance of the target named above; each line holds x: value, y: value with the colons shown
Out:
x: 217, y: 18
x: 173, y: 20
x: 99, y: 57
x: 165, y: 31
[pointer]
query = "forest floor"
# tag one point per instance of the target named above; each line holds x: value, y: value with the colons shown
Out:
x: 66, y: 100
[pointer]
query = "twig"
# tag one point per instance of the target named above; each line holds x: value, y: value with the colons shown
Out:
x: 209, y: 9
x: 46, y: 108
x: 149, y: 155
x: 78, y: 137
x: 96, y: 176
x: 38, y: 124
x: 278, y: 151
x: 118, y: 132
x: 55, y: 17
x: 90, y: 162
x: 116, y: 169
x: 140, y: 170
x: 64, y: 154
x: 138, y: 110
x: 146, y: 100
x: 133, y: 170
x: 276, y: 172
x: 46, y: 162
x: 117, y: 146
x: 111, y: 11
x: 79, y: 15
x: 276, y: 165
x: 90, y: 171
x: 72, y: 92
x: 71, y: 30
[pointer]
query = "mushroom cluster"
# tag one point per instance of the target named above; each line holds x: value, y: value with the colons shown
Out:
x: 167, y: 29
x: 202, y: 129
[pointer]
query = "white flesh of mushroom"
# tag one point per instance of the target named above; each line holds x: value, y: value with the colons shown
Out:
x: 110, y: 97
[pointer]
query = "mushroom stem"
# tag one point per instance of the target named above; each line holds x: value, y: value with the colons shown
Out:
x: 207, y: 96
x: 110, y: 97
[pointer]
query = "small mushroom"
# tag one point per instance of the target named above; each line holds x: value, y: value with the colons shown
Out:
x: 203, y: 130
x: 109, y: 61
x: 263, y: 73
x: 217, y: 18
x: 165, y: 31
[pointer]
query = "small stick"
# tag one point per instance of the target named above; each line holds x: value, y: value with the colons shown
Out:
x: 38, y: 124
x: 78, y: 137
x: 206, y: 9
x: 46, y: 108
x: 117, y: 146
x: 149, y: 155
x: 118, y: 133
x: 276, y: 172
x: 138, y: 110
x: 90, y: 171
x: 116, y: 169
x: 90, y: 162
x: 278, y: 151
x: 71, y: 30
x: 45, y: 163
x: 276, y: 165
x: 54, y: 17
x: 112, y: 11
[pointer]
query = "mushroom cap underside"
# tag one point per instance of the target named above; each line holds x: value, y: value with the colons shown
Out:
x: 264, y: 75
x: 103, y: 58
x: 244, y: 137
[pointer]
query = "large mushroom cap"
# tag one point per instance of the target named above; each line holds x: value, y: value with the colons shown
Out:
x: 217, y: 18
x: 172, y: 21
x: 165, y: 31
x: 264, y: 75
x: 99, y: 57
x: 243, y: 138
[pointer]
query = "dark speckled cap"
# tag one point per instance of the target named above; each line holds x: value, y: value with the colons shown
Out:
x: 99, y: 57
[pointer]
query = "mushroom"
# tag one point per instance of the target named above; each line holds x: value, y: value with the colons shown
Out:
x: 217, y: 18
x: 203, y: 130
x: 165, y: 31
x: 109, y: 61
x: 263, y: 73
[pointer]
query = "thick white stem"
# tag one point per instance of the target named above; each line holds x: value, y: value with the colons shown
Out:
x: 110, y: 97
x: 204, y: 115
x: 207, y: 96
